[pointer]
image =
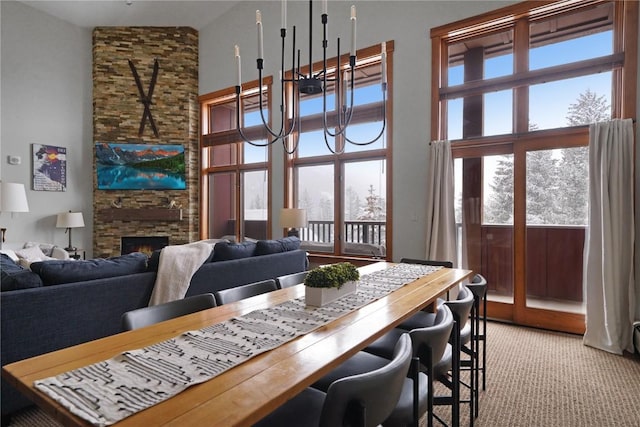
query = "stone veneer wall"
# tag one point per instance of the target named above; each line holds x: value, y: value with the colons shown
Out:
x: 117, y: 112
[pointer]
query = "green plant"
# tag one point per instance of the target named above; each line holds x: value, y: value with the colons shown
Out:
x: 332, y: 276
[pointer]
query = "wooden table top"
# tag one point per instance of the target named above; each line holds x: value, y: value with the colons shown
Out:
x: 246, y: 393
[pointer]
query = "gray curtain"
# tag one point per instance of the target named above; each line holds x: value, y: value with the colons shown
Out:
x: 609, y: 244
x: 440, y: 212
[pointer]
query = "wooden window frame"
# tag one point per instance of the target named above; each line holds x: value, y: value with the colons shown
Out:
x: 231, y: 136
x: 623, y: 64
x: 362, y: 114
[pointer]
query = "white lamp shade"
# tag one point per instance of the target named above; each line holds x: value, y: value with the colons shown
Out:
x: 13, y: 197
x: 70, y: 220
x: 293, y: 218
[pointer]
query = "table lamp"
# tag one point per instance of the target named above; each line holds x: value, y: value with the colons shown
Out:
x: 293, y: 219
x: 13, y: 198
x: 70, y: 220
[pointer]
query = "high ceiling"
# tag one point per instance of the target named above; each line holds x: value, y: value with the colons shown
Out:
x: 89, y: 14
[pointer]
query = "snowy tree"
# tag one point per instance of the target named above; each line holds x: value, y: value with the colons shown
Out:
x: 352, y: 204
x: 589, y: 108
x: 373, y: 209
x: 499, y: 209
x: 305, y: 202
x: 574, y: 164
x: 542, y: 187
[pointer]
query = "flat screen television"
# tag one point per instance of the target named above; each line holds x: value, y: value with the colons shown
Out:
x: 140, y: 166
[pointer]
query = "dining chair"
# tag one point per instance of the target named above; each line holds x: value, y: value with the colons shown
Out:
x: 423, y: 318
x: 462, y: 343
x: 435, y: 263
x: 434, y: 352
x: 478, y: 286
x: 146, y: 316
x: 363, y: 400
x: 237, y: 293
x: 432, y: 359
x: 291, y: 279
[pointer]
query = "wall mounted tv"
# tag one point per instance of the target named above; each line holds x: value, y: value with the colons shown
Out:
x: 140, y: 166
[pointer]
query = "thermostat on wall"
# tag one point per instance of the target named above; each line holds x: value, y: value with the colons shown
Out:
x: 14, y: 160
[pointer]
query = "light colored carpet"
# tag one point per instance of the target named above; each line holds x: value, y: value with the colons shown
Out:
x: 534, y: 378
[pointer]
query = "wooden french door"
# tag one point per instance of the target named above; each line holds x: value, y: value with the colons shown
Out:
x: 531, y: 259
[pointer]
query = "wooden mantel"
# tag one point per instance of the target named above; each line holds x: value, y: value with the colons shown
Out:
x: 142, y: 214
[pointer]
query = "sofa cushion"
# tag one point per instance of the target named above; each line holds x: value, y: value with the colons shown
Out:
x: 14, y: 276
x: 266, y: 247
x: 225, y: 251
x: 56, y: 272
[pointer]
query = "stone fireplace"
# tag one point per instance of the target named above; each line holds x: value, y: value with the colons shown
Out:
x: 146, y: 244
x: 119, y: 116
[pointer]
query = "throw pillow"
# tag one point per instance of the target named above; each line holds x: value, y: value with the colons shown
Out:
x: 30, y: 255
x: 225, y: 251
x: 56, y: 272
x: 14, y: 276
x: 266, y: 247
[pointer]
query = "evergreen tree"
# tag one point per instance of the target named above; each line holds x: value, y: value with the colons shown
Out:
x: 574, y: 164
x: 373, y: 210
x: 352, y: 204
x: 542, y: 188
x: 306, y: 203
x: 499, y: 207
x: 589, y: 108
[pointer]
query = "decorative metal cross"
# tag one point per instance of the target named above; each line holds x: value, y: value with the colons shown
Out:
x: 146, y: 98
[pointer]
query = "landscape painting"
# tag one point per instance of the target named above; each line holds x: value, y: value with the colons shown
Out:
x: 140, y: 166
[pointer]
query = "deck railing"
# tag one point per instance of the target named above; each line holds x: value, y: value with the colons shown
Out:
x: 358, y: 231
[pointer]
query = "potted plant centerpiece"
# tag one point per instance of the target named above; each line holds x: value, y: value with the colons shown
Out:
x: 326, y: 284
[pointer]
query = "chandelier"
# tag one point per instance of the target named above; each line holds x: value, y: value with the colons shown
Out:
x: 313, y: 83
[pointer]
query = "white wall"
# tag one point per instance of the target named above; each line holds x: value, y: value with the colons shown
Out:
x: 46, y: 99
x: 408, y: 24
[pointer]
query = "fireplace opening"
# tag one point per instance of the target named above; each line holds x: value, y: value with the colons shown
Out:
x: 146, y: 245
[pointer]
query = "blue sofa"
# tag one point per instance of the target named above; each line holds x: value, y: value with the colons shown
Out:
x: 47, y: 318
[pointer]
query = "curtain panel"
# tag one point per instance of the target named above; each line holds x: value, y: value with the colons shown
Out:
x: 440, y: 212
x: 609, y: 245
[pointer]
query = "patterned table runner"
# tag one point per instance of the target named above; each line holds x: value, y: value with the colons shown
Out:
x: 106, y: 392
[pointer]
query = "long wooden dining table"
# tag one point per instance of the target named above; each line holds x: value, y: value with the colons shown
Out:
x: 245, y: 393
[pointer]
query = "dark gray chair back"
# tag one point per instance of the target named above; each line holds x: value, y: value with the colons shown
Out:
x: 461, y: 306
x: 430, y: 343
x: 146, y: 316
x: 368, y: 399
x: 291, y: 279
x: 237, y: 293
x: 478, y: 286
x: 448, y: 264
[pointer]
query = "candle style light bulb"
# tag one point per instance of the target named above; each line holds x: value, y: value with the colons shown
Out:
x: 353, y: 31
x: 384, y: 62
x: 283, y: 14
x: 259, y: 25
x: 238, y: 67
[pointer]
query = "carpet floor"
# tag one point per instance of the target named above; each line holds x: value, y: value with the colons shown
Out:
x: 534, y: 378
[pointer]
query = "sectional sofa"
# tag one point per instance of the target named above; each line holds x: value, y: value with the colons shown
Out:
x: 56, y: 313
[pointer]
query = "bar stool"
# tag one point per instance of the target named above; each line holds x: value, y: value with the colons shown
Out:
x: 461, y: 335
x: 478, y: 287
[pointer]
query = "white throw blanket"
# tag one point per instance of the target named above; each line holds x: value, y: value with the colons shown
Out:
x: 176, y: 266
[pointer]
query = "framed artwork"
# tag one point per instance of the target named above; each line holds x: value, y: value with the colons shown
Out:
x: 49, y: 167
x: 140, y: 166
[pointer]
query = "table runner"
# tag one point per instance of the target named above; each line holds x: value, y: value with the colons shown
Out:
x: 108, y: 391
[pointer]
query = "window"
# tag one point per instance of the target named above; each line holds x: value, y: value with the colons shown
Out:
x: 235, y: 174
x: 514, y: 91
x: 345, y: 195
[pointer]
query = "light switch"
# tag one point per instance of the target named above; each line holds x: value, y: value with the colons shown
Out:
x: 14, y: 160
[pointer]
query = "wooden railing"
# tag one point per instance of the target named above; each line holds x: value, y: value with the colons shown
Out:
x: 373, y: 232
